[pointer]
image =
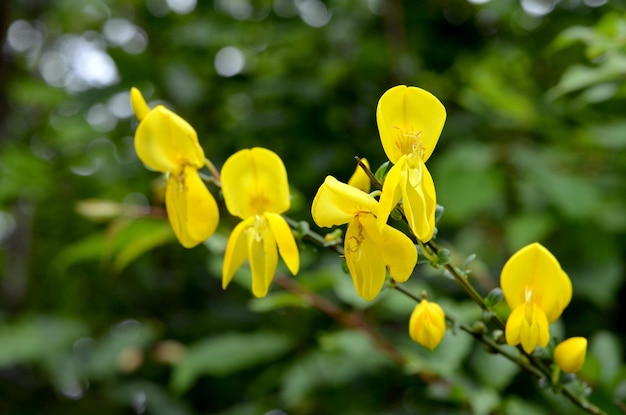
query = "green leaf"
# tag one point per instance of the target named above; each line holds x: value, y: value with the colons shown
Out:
x: 605, y: 346
x: 275, y: 301
x: 138, y: 237
x: 37, y: 339
x: 84, y: 250
x: 103, y: 359
x: 226, y: 354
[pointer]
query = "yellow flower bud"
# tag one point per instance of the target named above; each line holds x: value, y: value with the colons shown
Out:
x: 359, y: 178
x: 427, y: 325
x: 569, y: 355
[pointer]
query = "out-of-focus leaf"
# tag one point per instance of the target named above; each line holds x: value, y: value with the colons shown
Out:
x: 606, y: 348
x: 35, y: 339
x: 138, y: 237
x: 84, y: 250
x: 467, y: 182
x: 105, y: 357
x: 226, y: 354
x: 493, y: 369
x: 148, y: 397
x: 610, y: 135
x: 514, y: 405
x: 483, y: 401
x: 343, y: 356
x: 275, y: 301
x: 577, y: 77
x: 528, y: 227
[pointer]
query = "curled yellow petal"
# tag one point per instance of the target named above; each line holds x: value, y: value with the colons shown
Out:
x: 419, y: 202
x: 262, y: 255
x: 534, y: 275
x: 191, y: 209
x: 165, y: 142
x: 254, y: 181
x: 359, y: 178
x: 140, y: 108
x: 570, y: 354
x: 427, y: 324
x: 286, y: 242
x: 236, y: 251
x: 391, y: 192
x: 409, y: 120
x: 336, y: 203
x: 365, y: 264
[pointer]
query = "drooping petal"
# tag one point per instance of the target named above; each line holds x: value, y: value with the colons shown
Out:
x: 527, y: 325
x: 391, y: 192
x: 236, y: 250
x: 396, y: 250
x: 140, y: 108
x: 286, y: 242
x: 336, y: 203
x: 427, y: 324
x: 191, y: 209
x: 262, y: 254
x: 570, y: 354
x: 255, y: 181
x: 359, y: 178
x: 419, y: 202
x: 534, y: 271
x: 365, y: 264
x: 165, y: 142
x: 405, y: 114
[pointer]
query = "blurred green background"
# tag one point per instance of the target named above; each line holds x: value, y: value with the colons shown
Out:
x: 102, y: 312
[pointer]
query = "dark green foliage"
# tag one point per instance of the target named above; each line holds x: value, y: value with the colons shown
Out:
x: 102, y: 312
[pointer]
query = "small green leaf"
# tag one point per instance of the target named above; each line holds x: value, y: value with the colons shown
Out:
x: 382, y: 171
x: 494, y: 297
x: 443, y: 257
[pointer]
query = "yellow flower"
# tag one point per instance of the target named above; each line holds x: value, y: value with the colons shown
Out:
x: 537, y: 290
x: 427, y: 324
x: 167, y: 143
x: 369, y: 250
x: 255, y: 188
x: 569, y: 355
x: 359, y: 178
x: 410, y: 121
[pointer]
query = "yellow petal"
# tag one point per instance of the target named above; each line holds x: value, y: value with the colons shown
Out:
x: 570, y: 354
x: 407, y: 116
x: 419, y: 202
x: 535, y: 273
x: 427, y: 324
x: 527, y: 325
x: 236, y: 251
x: 359, y: 178
x: 191, y: 209
x: 166, y: 142
x: 336, y: 203
x: 286, y: 242
x: 391, y: 192
x: 365, y: 264
x: 138, y: 103
x: 254, y: 181
x: 262, y: 254
x: 396, y: 249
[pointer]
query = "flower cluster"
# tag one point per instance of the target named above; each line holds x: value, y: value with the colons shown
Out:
x: 255, y: 188
x: 254, y: 185
x: 410, y: 121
